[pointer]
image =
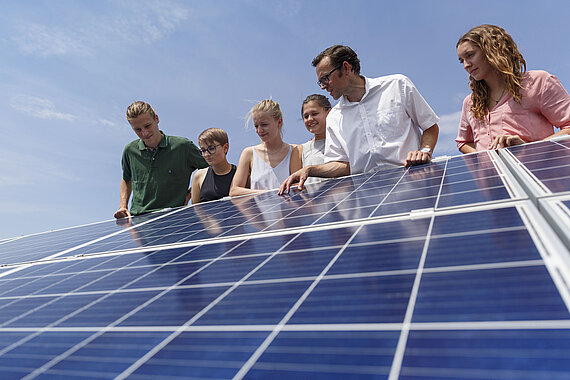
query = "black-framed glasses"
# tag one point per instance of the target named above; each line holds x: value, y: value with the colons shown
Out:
x: 211, y: 149
x: 325, y: 78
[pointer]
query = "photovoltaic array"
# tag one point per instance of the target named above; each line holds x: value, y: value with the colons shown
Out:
x: 456, y: 269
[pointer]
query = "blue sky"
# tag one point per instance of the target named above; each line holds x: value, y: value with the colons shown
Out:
x: 70, y: 69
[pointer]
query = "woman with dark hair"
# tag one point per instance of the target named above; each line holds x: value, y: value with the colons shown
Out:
x: 508, y: 105
x: 314, y: 112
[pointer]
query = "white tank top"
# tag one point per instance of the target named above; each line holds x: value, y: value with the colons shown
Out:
x: 264, y: 177
x: 314, y: 152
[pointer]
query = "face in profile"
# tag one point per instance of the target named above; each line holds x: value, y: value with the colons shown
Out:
x: 266, y: 127
x: 474, y: 60
x: 214, y: 152
x: 315, y: 119
x: 331, y: 78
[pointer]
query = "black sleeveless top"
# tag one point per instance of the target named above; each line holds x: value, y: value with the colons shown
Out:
x: 216, y: 186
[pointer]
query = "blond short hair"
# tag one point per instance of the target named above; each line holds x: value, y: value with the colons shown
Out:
x: 138, y: 108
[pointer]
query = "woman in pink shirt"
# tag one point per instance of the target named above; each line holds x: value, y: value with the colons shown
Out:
x: 508, y: 106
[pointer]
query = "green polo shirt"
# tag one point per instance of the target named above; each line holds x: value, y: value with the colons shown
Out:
x: 160, y: 178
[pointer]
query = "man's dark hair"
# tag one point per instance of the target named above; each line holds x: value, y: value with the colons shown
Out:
x: 338, y: 54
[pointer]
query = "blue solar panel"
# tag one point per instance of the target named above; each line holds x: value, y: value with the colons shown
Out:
x: 437, y: 271
x: 548, y: 161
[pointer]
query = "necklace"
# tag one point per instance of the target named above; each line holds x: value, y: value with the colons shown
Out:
x: 500, y: 97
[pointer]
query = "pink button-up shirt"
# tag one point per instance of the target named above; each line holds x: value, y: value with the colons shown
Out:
x: 545, y: 103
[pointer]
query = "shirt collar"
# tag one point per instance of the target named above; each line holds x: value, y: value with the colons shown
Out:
x: 162, y: 144
x: 344, y: 102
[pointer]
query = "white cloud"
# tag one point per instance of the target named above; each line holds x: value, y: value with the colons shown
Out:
x: 38, y: 107
x: 448, y: 125
x: 108, y: 123
x: 44, y: 41
x: 128, y: 22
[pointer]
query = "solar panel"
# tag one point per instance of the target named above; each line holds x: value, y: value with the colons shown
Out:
x: 456, y: 269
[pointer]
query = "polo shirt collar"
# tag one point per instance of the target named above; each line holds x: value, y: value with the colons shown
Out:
x: 162, y: 144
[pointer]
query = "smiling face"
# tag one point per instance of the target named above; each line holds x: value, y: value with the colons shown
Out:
x: 266, y: 127
x: 315, y: 119
x: 146, y: 128
x: 474, y: 61
x: 337, y: 82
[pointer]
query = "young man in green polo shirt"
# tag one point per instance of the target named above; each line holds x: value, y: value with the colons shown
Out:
x: 156, y: 167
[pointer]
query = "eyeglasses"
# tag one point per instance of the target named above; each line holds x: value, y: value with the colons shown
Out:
x: 325, y: 78
x: 211, y: 149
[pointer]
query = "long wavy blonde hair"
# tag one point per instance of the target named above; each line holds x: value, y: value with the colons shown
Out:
x: 502, y: 53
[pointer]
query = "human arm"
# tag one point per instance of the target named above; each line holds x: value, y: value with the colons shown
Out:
x: 124, y: 194
x: 467, y: 148
x: 241, y: 182
x: 503, y: 141
x: 328, y: 170
x: 197, y: 181
x: 465, y: 140
x: 296, y: 161
x: 429, y: 139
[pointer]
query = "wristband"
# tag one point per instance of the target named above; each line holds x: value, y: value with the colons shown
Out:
x: 426, y: 150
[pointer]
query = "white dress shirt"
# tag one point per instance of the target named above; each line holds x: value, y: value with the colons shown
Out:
x: 382, y: 128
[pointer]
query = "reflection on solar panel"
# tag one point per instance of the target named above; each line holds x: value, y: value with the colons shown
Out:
x: 456, y: 269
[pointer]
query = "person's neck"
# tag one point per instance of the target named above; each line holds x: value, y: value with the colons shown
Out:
x: 274, y: 144
x: 496, y: 84
x: 357, y: 88
x: 222, y: 168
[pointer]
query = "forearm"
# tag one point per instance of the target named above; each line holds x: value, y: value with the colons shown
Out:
x: 564, y: 131
x: 467, y: 148
x: 331, y: 169
x: 238, y: 190
x: 125, y: 194
x: 429, y: 137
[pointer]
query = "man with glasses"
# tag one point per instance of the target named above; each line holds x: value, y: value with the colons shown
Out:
x: 156, y: 167
x: 378, y: 122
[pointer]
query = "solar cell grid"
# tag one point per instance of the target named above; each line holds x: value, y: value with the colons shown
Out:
x: 441, y: 293
x: 548, y: 161
x: 384, y: 193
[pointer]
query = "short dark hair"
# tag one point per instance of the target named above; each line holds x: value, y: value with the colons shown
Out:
x: 338, y: 54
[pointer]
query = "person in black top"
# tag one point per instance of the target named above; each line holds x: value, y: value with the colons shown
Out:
x: 213, y: 182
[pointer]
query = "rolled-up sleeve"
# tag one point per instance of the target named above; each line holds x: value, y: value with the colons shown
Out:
x: 335, y: 145
x: 465, y: 132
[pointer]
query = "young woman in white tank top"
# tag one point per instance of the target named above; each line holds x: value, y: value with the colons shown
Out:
x: 266, y: 165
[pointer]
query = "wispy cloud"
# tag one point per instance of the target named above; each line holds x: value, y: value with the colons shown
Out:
x: 448, y: 125
x: 26, y: 168
x: 38, y: 107
x: 107, y: 123
x: 46, y: 41
x: 126, y: 22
